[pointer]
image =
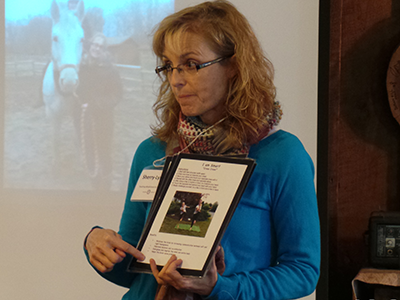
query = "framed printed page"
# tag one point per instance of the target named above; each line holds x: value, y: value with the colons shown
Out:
x: 195, y: 200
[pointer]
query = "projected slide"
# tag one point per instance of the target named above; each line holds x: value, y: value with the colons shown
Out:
x: 79, y: 87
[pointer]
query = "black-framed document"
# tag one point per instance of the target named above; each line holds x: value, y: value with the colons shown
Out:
x: 194, y: 203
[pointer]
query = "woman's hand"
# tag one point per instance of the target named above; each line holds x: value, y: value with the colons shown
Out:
x: 106, y: 248
x: 202, y: 286
x: 220, y: 260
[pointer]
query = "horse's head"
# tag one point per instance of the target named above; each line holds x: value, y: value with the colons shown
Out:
x: 67, y: 43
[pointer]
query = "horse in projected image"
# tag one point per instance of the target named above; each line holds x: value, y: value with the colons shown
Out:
x: 61, y: 76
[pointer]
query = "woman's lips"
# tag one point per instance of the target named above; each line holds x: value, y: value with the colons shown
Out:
x: 184, y: 96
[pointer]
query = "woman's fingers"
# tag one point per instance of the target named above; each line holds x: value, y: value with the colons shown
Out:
x: 101, y: 262
x: 154, y: 270
x: 96, y: 263
x: 170, y: 275
x: 220, y: 260
x: 120, y: 252
x: 106, y: 248
x: 153, y: 267
x: 166, y: 266
x: 167, y: 273
x: 128, y: 248
x: 163, y: 285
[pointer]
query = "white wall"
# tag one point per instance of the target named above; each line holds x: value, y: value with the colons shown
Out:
x: 41, y: 253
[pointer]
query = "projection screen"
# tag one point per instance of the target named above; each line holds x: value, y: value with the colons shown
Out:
x: 57, y: 138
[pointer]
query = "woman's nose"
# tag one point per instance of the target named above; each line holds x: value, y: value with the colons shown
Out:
x: 177, y: 78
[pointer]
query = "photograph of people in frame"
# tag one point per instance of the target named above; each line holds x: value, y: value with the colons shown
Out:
x: 188, y: 214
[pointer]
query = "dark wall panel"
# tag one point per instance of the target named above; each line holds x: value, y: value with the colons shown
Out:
x: 364, y: 138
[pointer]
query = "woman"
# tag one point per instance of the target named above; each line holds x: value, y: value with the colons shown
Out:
x: 182, y: 212
x: 217, y: 97
x: 99, y: 91
x: 196, y: 212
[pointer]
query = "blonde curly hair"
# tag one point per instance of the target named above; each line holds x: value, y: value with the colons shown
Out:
x: 251, y: 95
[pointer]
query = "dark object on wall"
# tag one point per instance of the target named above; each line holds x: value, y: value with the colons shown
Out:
x: 393, y: 84
x: 384, y: 233
x: 386, y: 292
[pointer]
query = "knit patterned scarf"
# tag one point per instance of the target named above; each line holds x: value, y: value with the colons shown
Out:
x: 198, y: 137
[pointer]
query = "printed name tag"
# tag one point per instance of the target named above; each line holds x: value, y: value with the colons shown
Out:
x: 146, y: 186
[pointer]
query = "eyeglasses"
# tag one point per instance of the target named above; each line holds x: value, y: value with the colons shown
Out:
x: 189, y: 67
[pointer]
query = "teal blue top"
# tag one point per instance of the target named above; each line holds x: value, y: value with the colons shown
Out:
x: 272, y: 244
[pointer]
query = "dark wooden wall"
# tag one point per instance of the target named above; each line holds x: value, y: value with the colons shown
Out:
x: 362, y: 137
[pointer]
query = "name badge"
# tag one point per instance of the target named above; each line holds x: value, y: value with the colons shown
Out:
x: 146, y: 186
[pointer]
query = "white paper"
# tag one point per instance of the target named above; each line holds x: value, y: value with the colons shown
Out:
x: 216, y: 182
x: 146, y: 186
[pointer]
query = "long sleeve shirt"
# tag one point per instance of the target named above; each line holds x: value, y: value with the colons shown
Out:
x: 272, y: 243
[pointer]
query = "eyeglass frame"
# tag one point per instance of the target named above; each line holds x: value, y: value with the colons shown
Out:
x: 160, y: 69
